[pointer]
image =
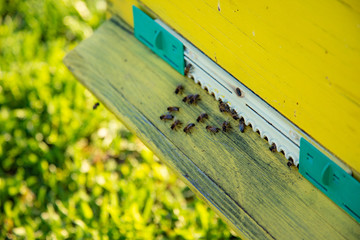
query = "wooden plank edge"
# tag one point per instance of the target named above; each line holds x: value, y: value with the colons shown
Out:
x: 238, y: 219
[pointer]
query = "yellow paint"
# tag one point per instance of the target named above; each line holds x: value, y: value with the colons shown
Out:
x: 125, y: 6
x: 302, y: 57
x: 250, y: 187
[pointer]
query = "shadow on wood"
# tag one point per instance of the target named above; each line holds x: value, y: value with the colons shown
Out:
x: 235, y: 173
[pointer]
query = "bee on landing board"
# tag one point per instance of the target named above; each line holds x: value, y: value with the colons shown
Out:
x: 202, y: 117
x: 226, y: 126
x: 234, y: 114
x: 166, y: 117
x: 212, y: 129
x: 176, y: 124
x: 173, y: 109
x: 187, y: 69
x: 272, y: 148
x: 290, y: 163
x: 223, y: 107
x: 188, y: 128
x: 194, y: 99
x: 179, y: 89
x: 187, y: 98
x: 242, y: 125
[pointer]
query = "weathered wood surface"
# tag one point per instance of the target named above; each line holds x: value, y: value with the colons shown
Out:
x: 301, y: 57
x: 235, y: 173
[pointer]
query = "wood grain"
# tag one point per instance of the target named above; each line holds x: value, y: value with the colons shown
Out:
x: 235, y: 173
x: 301, y: 57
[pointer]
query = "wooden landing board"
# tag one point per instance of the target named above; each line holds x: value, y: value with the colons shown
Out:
x: 301, y: 57
x: 251, y: 188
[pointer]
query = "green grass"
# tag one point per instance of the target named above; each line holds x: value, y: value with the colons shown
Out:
x: 66, y: 170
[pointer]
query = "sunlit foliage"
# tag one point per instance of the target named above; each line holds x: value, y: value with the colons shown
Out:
x: 66, y: 170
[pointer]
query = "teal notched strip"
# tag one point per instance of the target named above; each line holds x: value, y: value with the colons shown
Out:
x: 332, y: 180
x: 159, y: 40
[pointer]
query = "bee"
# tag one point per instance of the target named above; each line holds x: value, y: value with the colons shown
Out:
x: 187, y: 69
x: 202, y: 117
x: 212, y: 129
x: 234, y: 114
x: 242, y: 125
x: 173, y: 109
x: 194, y: 99
x: 188, y: 128
x: 96, y: 105
x: 187, y: 98
x: 179, y: 89
x: 238, y: 92
x: 166, y: 117
x: 176, y: 123
x: 272, y: 147
x: 226, y: 126
x: 290, y: 163
x: 223, y: 107
x: 191, y: 98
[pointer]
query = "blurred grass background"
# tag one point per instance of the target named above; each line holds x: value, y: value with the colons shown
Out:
x: 66, y: 170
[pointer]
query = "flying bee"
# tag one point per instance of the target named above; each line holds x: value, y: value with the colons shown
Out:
x: 96, y: 105
x: 173, y: 109
x: 187, y: 69
x: 212, y: 129
x: 202, y: 117
x: 176, y: 124
x: 272, y: 148
x: 226, y: 126
x: 242, y: 125
x: 188, y: 128
x: 179, y: 89
x: 166, y: 117
x: 223, y: 107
